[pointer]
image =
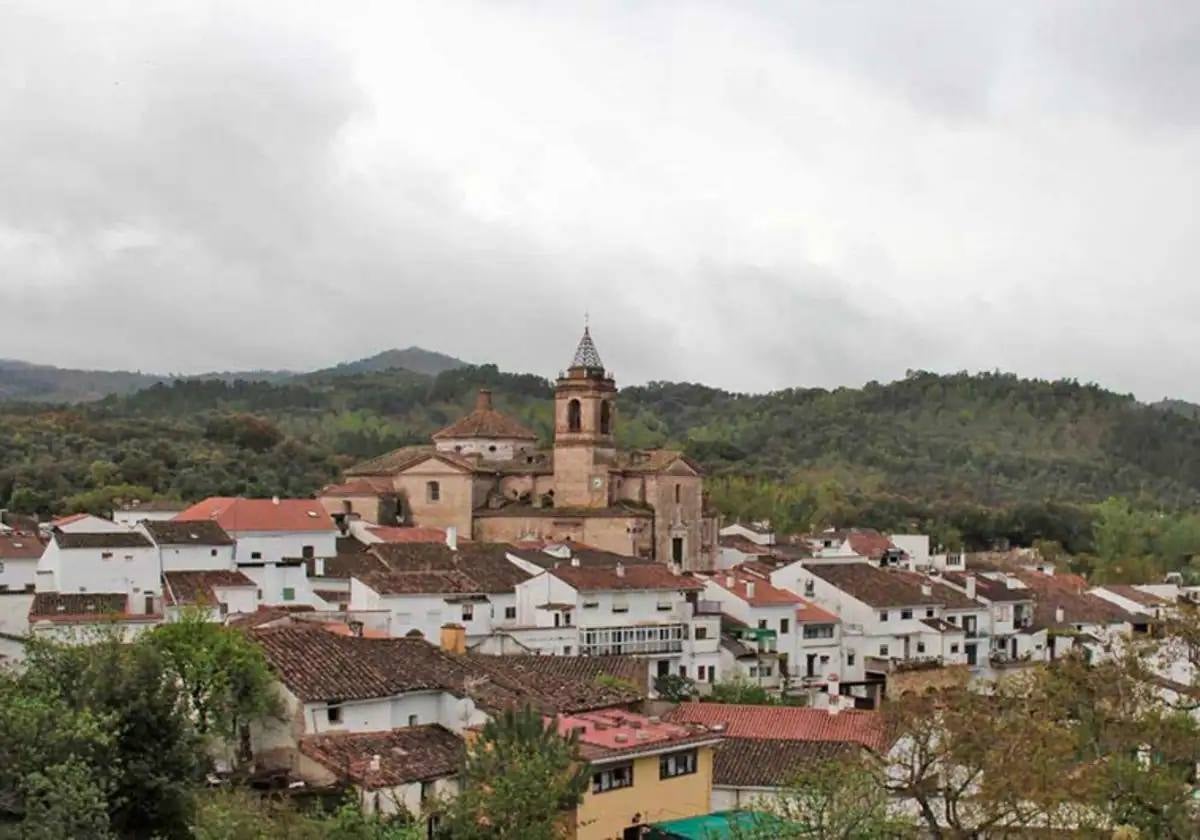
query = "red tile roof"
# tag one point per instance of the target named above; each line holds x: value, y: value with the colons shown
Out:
x: 405, y: 755
x: 640, y: 576
x: 76, y: 607
x: 791, y: 723
x: 362, y: 486
x: 409, y: 535
x: 763, y: 763
x: 20, y: 547
x: 238, y: 514
x: 869, y: 543
x: 609, y: 733
x: 1132, y: 593
x: 808, y: 611
x: 485, y: 422
x: 198, y: 587
x: 67, y: 520
x: 765, y: 594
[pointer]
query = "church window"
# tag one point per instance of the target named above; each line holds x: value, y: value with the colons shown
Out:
x: 605, y: 418
x: 678, y: 492
x: 677, y: 549
x: 574, y: 416
x: 433, y: 491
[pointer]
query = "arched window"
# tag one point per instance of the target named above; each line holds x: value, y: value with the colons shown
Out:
x: 605, y: 418
x: 678, y: 492
x: 433, y: 491
x: 574, y: 416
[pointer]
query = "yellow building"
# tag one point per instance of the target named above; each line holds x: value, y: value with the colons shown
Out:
x: 643, y: 771
x: 486, y: 477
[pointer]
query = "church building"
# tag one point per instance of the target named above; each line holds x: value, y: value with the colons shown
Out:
x: 485, y: 476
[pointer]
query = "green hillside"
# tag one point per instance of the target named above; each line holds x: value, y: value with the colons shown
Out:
x: 982, y: 456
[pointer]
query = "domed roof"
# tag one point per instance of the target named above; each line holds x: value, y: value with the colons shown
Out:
x: 485, y: 422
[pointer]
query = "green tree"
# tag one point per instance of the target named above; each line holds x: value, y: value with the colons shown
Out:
x: 223, y: 676
x: 675, y: 688
x: 67, y: 800
x: 518, y: 779
x: 740, y: 690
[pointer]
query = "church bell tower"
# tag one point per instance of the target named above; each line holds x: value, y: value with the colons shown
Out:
x: 584, y: 421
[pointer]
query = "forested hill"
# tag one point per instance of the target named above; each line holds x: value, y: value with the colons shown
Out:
x: 885, y: 454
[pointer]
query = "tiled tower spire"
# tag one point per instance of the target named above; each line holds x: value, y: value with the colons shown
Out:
x: 586, y: 355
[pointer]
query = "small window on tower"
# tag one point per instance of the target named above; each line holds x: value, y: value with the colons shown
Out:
x: 433, y: 491
x: 574, y: 416
x: 605, y: 418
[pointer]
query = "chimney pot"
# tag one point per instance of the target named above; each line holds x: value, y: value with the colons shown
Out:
x: 1060, y: 615
x: 274, y: 500
x: 971, y: 586
x: 452, y: 538
x: 750, y: 589
x: 926, y: 590
x: 620, y: 569
x: 376, y: 763
x: 483, y: 402
x: 730, y: 581
x: 575, y: 562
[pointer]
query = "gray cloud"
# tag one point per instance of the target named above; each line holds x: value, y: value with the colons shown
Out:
x: 812, y: 194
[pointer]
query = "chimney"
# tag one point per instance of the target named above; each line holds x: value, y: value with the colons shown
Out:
x: 1010, y: 581
x: 483, y: 402
x: 452, y: 538
x: 1060, y: 615
x: 926, y: 590
x: 274, y: 500
x: 575, y: 562
x: 730, y: 581
x: 356, y: 628
x: 620, y: 569
x: 971, y: 586
x: 376, y: 763
x: 454, y: 638
x: 749, y: 589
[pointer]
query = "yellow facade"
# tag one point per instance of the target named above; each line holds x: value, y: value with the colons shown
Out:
x: 604, y: 816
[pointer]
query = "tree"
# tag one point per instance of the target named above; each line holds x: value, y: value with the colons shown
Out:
x: 675, y: 688
x: 65, y: 801
x: 843, y: 798
x: 740, y: 690
x: 245, y: 815
x: 223, y: 676
x: 518, y: 778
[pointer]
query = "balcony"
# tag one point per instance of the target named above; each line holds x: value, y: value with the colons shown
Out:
x: 703, y: 607
x: 632, y: 640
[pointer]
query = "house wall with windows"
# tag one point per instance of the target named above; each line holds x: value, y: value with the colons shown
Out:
x: 646, y: 799
x: 195, y: 558
x: 280, y: 584
x: 424, y: 612
x: 130, y: 570
x: 275, y: 546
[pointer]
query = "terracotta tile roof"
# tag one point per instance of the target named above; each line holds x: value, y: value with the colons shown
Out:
x: 996, y: 591
x: 316, y: 664
x: 1132, y: 593
x: 390, y: 534
x: 268, y: 616
x: 68, y: 520
x: 181, y: 588
x: 390, y: 463
x: 640, y: 576
x: 362, y: 486
x: 83, y: 606
x: 485, y: 566
x: 237, y: 515
x: 107, y: 539
x: 765, y: 594
x: 605, y: 734
x: 197, y: 532
x: 333, y: 596
x: 352, y: 560
x: 406, y: 755
x: 808, y: 611
x: 791, y: 723
x: 485, y: 422
x: 765, y: 763
x: 153, y: 506
x: 20, y: 547
x: 869, y: 543
x: 571, y: 683
x: 419, y: 583
x: 743, y: 544
x: 878, y: 587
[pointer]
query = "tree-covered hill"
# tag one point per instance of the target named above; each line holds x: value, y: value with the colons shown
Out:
x: 928, y: 451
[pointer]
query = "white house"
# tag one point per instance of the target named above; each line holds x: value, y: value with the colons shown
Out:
x: 19, y: 555
x: 1135, y: 600
x: 642, y: 610
x: 219, y: 593
x: 275, y: 537
x: 190, y: 546
x: 84, y: 523
x: 766, y: 610
x: 124, y: 562
x: 135, y: 512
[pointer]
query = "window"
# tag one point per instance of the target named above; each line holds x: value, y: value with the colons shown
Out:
x: 566, y: 650
x: 929, y: 612
x: 765, y: 671
x: 701, y: 633
x: 413, y: 720
x: 754, y: 670
x: 574, y: 416
x: 677, y: 549
x: 426, y: 791
x: 783, y: 625
x: 664, y: 606
x: 824, y: 659
x: 762, y: 624
x: 255, y: 555
x: 954, y: 648
x: 883, y: 650
x: 289, y: 593
x: 468, y: 612
x: 567, y: 618
x: 920, y: 647
x: 818, y: 631
x: 906, y: 614
x: 307, y: 552
x: 492, y: 448
x: 223, y: 609
x: 953, y: 619
x: 620, y: 606
x: 678, y: 492
x: 810, y: 587
x: 106, y: 555
x: 605, y: 418
x: 333, y: 714
x: 683, y: 671
x: 510, y: 613
x: 433, y: 491
x: 591, y: 605
x: 676, y: 764
x: 883, y: 616
x: 850, y: 658
x: 213, y: 552
x: 613, y: 778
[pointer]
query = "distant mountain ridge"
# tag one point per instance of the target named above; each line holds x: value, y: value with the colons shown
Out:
x: 22, y: 381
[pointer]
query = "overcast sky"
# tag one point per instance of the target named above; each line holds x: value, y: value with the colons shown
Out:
x: 751, y: 195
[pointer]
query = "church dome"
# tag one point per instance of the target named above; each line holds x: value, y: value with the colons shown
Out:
x: 485, y: 422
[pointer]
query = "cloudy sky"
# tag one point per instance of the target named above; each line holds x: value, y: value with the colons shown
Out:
x: 752, y: 195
